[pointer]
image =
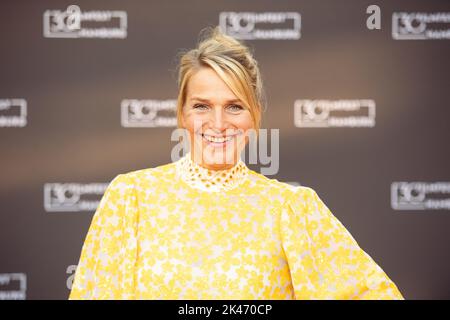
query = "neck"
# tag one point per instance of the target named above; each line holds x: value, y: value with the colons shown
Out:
x: 213, y: 166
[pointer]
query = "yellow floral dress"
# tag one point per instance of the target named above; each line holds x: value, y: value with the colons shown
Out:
x: 181, y: 231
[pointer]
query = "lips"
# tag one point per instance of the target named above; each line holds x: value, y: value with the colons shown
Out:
x: 217, y: 139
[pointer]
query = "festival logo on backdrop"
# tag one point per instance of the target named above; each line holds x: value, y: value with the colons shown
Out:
x: 261, y: 25
x: 334, y: 113
x: 72, y: 197
x: 148, y: 113
x: 13, y: 286
x: 75, y: 23
x: 420, y: 25
x: 420, y: 195
x: 13, y: 112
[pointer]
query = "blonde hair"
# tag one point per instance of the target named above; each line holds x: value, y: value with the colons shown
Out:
x: 234, y: 64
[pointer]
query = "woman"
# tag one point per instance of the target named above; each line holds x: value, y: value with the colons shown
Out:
x: 208, y: 227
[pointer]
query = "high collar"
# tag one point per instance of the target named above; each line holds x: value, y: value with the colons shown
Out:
x: 210, y: 180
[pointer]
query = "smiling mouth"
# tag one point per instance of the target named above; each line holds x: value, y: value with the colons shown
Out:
x: 218, y: 140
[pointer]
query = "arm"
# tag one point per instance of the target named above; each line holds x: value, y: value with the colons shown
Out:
x: 105, y: 268
x: 324, y: 260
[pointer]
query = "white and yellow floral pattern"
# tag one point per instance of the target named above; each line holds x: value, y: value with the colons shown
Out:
x: 162, y: 233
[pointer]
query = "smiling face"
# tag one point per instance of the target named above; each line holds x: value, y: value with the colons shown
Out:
x: 216, y: 119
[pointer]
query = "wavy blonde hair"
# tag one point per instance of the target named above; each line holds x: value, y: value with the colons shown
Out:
x: 232, y: 61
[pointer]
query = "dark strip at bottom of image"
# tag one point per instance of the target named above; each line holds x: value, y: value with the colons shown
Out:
x: 228, y: 309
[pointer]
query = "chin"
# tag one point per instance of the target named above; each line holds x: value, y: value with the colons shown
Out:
x: 216, y: 157
x: 219, y: 157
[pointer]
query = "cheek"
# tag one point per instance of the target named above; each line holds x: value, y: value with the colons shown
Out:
x: 244, y: 122
x: 190, y: 121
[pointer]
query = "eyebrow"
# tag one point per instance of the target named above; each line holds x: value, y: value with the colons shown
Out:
x: 206, y: 100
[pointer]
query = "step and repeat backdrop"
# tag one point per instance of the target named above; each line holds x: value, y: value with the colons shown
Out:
x: 359, y: 91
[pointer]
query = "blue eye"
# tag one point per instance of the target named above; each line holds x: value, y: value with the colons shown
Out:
x: 200, y: 106
x: 236, y: 107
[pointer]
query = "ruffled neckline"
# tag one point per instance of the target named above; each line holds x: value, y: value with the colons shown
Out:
x: 209, y: 180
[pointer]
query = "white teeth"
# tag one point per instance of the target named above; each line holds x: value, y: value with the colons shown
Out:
x: 217, y: 139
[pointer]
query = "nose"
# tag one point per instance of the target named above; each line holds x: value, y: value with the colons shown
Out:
x: 218, y: 119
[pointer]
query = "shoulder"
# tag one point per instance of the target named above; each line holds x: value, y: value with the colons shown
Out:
x: 142, y: 178
x: 286, y: 190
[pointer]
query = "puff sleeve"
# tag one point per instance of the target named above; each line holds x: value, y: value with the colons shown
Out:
x: 324, y: 260
x: 106, y: 265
